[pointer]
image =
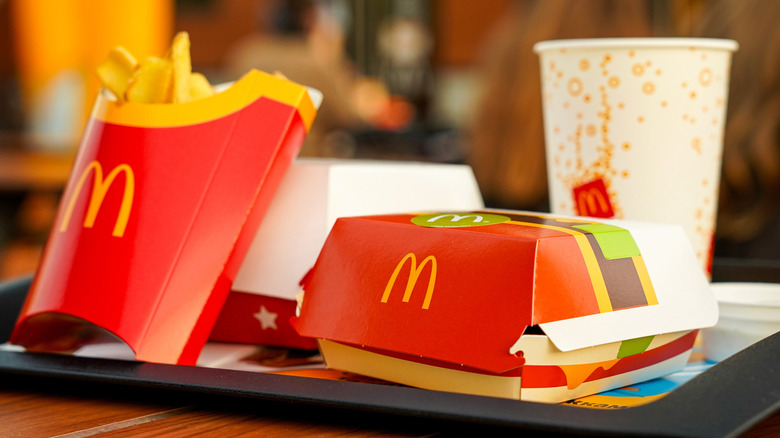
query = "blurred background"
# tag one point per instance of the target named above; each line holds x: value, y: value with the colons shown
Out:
x: 451, y: 81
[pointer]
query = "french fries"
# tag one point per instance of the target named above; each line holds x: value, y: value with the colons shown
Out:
x: 199, y: 87
x: 154, y: 79
x: 151, y: 82
x: 115, y: 72
x: 182, y: 67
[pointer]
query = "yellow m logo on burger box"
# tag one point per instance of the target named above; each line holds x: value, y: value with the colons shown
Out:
x: 414, y: 274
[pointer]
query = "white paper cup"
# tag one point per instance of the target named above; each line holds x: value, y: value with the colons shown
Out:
x: 634, y: 129
x: 749, y: 312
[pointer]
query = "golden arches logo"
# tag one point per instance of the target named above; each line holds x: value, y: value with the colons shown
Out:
x: 100, y: 187
x: 414, y: 274
x: 592, y: 201
x: 458, y: 220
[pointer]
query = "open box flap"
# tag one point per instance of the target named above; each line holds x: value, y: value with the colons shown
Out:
x: 685, y: 300
x: 365, y: 187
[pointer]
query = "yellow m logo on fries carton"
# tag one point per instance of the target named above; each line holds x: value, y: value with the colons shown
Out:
x: 414, y: 274
x: 100, y: 187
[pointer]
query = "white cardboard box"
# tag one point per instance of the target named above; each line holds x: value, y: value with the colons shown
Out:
x: 315, y: 192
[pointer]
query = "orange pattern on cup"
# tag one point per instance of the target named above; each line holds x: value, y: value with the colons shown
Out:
x: 609, y: 108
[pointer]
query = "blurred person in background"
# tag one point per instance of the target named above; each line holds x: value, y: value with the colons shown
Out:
x: 305, y: 42
x: 749, y: 207
x: 506, y: 136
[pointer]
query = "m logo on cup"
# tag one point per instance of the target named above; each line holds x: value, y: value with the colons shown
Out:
x: 100, y: 187
x: 414, y: 274
x: 591, y: 199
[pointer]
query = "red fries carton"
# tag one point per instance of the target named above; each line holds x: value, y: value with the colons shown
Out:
x: 161, y: 206
x: 506, y: 304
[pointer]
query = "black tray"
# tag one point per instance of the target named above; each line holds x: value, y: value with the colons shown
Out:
x: 724, y: 401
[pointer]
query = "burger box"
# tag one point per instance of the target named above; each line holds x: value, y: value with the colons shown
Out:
x: 312, y: 195
x: 159, y: 210
x: 506, y: 304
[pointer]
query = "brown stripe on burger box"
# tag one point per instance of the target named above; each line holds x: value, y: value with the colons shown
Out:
x: 624, y: 286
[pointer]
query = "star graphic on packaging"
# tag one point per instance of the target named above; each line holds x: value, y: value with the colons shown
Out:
x: 267, y: 319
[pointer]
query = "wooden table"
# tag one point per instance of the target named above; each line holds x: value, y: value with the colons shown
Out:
x: 51, y: 408
x: 33, y: 407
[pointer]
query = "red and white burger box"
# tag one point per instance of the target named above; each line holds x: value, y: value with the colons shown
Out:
x: 507, y: 304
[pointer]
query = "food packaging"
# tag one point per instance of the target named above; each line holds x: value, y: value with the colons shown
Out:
x: 507, y: 304
x: 161, y: 206
x: 634, y: 129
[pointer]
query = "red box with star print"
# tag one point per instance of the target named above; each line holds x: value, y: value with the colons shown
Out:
x: 506, y: 304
